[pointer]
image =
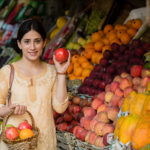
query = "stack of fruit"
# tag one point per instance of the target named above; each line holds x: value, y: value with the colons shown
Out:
x: 134, y: 128
x: 104, y: 73
x: 79, y: 68
x: 23, y: 131
x: 98, y: 117
x: 71, y: 117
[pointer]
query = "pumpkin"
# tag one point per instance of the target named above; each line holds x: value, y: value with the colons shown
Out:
x: 128, y: 100
x: 137, y: 104
x: 118, y: 125
x: 141, y: 134
x: 146, y: 105
x: 127, y: 127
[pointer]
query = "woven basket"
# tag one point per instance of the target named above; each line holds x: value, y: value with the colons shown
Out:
x: 85, y: 146
x: 23, y: 144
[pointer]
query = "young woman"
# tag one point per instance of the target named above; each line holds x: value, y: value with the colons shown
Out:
x: 37, y: 87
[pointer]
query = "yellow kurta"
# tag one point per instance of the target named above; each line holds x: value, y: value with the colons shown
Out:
x: 38, y: 97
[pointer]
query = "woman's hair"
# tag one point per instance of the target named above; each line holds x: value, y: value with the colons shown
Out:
x: 28, y: 26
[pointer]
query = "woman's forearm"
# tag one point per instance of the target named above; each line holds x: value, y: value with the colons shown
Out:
x: 61, y: 93
x: 4, y: 111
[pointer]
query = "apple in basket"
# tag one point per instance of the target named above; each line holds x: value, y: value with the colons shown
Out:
x: 12, y: 133
x: 61, y: 55
x: 24, y: 125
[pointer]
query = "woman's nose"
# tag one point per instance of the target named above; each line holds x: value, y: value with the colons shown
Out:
x: 32, y: 45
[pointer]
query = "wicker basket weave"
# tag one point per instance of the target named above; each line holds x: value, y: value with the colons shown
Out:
x: 23, y: 144
x: 85, y: 146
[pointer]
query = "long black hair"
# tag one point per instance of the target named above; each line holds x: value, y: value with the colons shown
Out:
x: 29, y: 25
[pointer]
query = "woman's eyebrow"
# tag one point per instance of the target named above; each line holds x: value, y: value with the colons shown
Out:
x: 34, y: 39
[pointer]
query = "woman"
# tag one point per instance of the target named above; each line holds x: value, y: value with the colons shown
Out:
x: 37, y: 87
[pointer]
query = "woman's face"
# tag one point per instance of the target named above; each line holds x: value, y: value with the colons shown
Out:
x: 32, y: 45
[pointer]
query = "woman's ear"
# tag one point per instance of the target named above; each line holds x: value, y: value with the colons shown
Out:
x: 19, y: 44
x: 44, y: 43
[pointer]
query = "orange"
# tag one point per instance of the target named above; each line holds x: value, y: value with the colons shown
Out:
x: 129, y: 23
x: 125, y: 38
x: 108, y: 28
x: 85, y: 64
x: 69, y: 75
x: 82, y: 53
x: 101, y: 33
x: 72, y: 78
x: 75, y: 58
x: 106, y: 47
x: 99, y: 56
x: 113, y: 31
x: 137, y: 23
x: 93, y: 58
x: 76, y: 65
x: 106, y: 41
x: 117, y: 26
x: 89, y: 45
x: 124, y: 27
x: 112, y: 36
x: 81, y: 78
x: 96, y: 37
x: 132, y: 32
x: 89, y: 52
x: 82, y: 59
x: 26, y: 133
x: 91, y: 67
x: 116, y: 40
x: 70, y: 69
x: 78, y: 71
x: 120, y: 32
x: 86, y: 72
x: 98, y: 46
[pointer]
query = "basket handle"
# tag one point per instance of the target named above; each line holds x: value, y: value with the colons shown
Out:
x: 7, y: 116
x: 148, y: 14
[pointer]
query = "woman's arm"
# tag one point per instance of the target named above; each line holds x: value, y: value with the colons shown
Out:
x: 61, y: 93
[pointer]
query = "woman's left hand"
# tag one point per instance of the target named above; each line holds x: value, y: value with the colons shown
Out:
x: 62, y: 68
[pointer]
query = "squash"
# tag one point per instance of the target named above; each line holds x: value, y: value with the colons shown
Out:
x: 137, y: 104
x: 141, y: 134
x: 127, y: 127
x: 146, y: 106
x: 118, y: 125
x: 128, y: 100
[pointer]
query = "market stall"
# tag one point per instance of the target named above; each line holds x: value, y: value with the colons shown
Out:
x: 108, y: 80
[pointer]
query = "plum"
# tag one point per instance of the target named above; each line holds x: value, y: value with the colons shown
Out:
x: 107, y: 54
x: 136, y: 43
x: 115, y: 47
x: 123, y: 48
x: 139, y: 52
x: 104, y: 61
x: 111, y: 70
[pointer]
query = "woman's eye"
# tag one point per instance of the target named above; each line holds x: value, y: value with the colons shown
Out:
x: 26, y: 42
x: 38, y: 41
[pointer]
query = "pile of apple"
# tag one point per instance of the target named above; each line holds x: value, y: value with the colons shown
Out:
x: 71, y: 117
x: 24, y: 130
x: 124, y: 57
x: 92, y: 121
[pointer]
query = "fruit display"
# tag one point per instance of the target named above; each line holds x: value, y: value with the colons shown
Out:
x: 93, y: 21
x: 92, y: 121
x: 23, y: 131
x: 124, y: 57
x: 60, y: 23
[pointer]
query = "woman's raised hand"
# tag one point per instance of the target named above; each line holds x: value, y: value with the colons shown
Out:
x: 62, y: 68
x: 19, y: 109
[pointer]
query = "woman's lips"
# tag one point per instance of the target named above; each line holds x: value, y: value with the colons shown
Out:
x: 32, y: 53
